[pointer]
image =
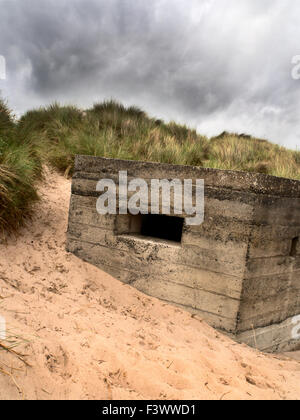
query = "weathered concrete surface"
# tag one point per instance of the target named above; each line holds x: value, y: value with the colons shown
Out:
x: 239, y: 270
x: 273, y: 338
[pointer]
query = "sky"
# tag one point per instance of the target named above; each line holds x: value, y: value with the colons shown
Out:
x: 214, y: 65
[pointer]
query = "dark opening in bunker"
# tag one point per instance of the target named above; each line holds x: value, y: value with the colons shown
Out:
x: 168, y: 228
x: 162, y: 227
x: 294, y: 247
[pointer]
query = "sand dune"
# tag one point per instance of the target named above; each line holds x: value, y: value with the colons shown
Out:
x: 88, y: 336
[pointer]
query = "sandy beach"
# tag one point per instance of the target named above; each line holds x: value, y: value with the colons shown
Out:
x: 86, y: 335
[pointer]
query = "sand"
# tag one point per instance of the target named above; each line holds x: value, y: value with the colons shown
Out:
x: 88, y: 336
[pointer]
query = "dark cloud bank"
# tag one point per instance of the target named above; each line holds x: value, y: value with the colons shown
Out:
x: 213, y: 64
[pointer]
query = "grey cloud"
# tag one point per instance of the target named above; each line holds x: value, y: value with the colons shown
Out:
x: 212, y: 64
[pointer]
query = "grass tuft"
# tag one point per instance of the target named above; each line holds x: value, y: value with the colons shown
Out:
x: 20, y: 166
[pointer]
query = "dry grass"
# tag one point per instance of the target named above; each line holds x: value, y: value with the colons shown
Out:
x: 12, y: 342
x: 9, y: 346
x: 244, y: 153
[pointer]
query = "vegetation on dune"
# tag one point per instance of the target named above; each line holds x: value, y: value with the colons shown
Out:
x: 245, y: 153
x: 20, y: 166
x: 111, y: 130
x: 55, y: 134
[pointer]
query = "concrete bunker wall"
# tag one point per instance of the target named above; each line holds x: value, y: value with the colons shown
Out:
x: 239, y: 270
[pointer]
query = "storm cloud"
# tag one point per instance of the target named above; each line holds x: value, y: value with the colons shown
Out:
x: 215, y: 65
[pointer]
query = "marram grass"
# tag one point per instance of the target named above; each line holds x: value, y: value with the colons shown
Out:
x: 111, y: 130
x: 20, y: 166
